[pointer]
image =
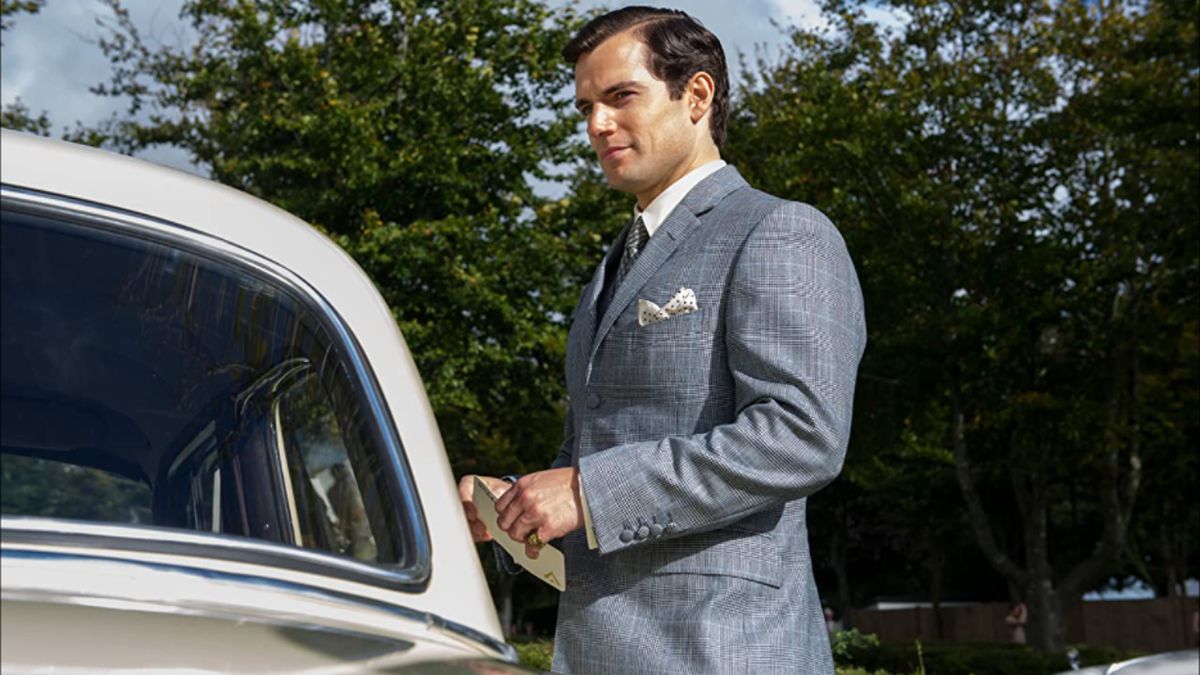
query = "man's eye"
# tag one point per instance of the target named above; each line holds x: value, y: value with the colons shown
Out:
x: 584, y: 111
x: 623, y: 95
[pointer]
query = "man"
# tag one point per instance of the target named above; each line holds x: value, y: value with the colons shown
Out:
x: 710, y: 367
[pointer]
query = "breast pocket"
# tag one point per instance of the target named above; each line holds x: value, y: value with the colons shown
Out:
x: 698, y: 321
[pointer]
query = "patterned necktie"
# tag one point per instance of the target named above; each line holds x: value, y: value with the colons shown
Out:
x: 634, y: 241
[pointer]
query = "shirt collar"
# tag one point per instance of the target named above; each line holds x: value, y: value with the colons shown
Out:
x: 662, y: 206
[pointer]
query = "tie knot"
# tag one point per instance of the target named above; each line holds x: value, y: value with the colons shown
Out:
x: 634, y: 241
x: 637, y: 238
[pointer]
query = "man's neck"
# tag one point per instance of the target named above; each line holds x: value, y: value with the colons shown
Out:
x: 703, y: 157
x: 657, y: 212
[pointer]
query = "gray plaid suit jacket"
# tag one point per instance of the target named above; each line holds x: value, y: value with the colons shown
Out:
x: 699, y: 437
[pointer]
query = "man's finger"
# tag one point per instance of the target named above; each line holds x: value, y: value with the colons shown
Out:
x: 479, y: 532
x: 509, y: 512
x: 522, y: 526
x: 466, y: 489
x: 521, y: 529
x: 507, y: 498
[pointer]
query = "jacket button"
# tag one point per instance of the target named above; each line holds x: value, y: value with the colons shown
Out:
x: 672, y: 528
x: 626, y: 536
x: 643, y: 532
x: 593, y: 400
x: 656, y: 530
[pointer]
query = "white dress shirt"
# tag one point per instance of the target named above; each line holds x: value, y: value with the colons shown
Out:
x: 660, y: 209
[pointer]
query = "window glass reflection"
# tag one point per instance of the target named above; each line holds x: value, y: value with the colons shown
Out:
x: 146, y: 383
x: 329, y: 503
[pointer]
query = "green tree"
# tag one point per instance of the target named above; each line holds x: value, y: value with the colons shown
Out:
x: 409, y: 131
x: 1017, y: 185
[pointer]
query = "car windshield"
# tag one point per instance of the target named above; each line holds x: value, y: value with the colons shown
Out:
x: 145, y: 383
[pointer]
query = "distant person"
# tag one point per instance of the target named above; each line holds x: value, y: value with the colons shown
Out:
x: 1018, y: 615
x: 831, y: 624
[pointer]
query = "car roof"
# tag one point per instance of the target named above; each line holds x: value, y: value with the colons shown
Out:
x: 93, y: 175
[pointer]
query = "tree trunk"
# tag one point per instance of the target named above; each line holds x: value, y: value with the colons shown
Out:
x: 1045, y: 628
x: 1047, y: 619
x: 1047, y: 602
x: 837, y: 556
x: 937, y: 567
x: 1168, y: 561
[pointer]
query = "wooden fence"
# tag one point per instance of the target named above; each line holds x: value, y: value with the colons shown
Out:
x: 1158, y: 625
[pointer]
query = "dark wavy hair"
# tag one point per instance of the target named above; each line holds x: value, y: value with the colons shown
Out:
x: 679, y: 48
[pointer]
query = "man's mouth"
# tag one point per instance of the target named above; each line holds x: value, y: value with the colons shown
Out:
x: 610, y: 153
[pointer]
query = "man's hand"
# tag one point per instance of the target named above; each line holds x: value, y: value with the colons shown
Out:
x: 466, y: 493
x: 546, y: 502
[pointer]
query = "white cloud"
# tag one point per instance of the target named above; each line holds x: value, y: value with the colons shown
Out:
x: 801, y: 13
x: 51, y: 59
x: 892, y: 18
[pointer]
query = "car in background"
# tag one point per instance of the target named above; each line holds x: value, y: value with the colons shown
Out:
x: 217, y: 453
x: 1183, y: 662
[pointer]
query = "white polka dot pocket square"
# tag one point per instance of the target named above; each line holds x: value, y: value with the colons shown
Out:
x: 684, y: 302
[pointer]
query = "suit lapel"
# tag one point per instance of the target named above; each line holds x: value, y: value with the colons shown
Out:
x: 684, y: 220
x: 660, y: 247
x: 595, y: 293
x: 583, y: 328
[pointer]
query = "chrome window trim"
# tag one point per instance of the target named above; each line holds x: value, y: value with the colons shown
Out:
x: 285, y: 473
x: 412, y: 577
x: 434, y: 621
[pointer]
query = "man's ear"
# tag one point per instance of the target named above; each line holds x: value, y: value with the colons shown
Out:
x: 699, y: 92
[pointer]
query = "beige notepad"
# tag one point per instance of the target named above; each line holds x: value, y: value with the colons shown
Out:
x: 548, y: 566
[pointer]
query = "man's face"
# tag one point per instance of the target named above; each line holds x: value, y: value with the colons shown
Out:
x: 644, y: 140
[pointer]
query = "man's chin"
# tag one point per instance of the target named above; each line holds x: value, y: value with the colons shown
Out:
x: 620, y: 183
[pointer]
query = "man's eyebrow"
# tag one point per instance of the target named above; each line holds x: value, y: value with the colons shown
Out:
x: 627, y: 84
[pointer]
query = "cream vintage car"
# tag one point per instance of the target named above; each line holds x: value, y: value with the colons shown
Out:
x: 217, y: 452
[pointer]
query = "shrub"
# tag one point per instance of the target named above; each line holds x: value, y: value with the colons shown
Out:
x: 536, y: 653
x: 986, y: 658
x: 849, y: 645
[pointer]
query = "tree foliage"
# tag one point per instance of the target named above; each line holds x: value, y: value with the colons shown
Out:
x: 410, y: 132
x: 1017, y: 183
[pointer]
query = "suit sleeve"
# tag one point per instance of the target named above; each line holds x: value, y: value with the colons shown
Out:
x: 794, y: 334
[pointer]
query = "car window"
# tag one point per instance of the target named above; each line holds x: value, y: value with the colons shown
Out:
x: 332, y: 513
x: 147, y: 382
x: 44, y: 487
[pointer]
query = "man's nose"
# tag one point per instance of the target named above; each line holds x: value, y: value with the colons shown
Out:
x: 600, y: 122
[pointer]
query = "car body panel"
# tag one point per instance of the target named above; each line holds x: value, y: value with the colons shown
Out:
x: 451, y: 611
x: 1183, y: 662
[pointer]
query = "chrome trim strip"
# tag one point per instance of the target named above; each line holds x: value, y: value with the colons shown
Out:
x: 433, y: 621
x: 414, y: 576
x: 36, y: 531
